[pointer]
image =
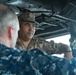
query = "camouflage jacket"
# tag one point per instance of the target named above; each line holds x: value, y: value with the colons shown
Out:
x: 33, y: 62
x: 49, y: 47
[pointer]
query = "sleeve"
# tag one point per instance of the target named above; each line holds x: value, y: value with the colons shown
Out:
x: 44, y: 64
x: 49, y: 47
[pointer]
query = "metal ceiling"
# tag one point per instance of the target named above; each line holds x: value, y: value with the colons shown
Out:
x: 54, y: 17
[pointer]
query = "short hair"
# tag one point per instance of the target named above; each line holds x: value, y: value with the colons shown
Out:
x: 7, y: 18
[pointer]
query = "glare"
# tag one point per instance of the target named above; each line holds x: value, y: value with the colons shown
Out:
x: 61, y: 39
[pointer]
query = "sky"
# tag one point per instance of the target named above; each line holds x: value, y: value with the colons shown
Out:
x: 61, y: 39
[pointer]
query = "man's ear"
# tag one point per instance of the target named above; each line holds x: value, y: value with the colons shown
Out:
x: 10, y: 32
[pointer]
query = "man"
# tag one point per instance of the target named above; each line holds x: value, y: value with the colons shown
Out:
x: 20, y: 62
x: 27, y: 41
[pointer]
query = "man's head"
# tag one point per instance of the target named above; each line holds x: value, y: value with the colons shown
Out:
x: 9, y: 26
x: 27, y: 26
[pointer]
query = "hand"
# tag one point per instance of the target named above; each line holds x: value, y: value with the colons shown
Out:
x: 63, y: 48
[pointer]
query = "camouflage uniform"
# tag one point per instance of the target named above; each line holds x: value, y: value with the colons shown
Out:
x: 49, y: 47
x: 33, y: 62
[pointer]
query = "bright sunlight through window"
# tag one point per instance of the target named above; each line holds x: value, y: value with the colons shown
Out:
x: 61, y: 39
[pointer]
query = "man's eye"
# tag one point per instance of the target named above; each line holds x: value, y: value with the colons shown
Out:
x: 33, y: 25
x: 27, y: 24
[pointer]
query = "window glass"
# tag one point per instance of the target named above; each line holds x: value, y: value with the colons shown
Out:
x: 61, y: 39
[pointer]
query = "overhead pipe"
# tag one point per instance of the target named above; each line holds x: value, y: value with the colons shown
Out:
x: 55, y: 15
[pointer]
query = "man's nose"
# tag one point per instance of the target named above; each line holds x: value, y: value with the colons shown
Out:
x: 31, y: 28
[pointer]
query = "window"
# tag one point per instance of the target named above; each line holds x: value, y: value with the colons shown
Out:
x: 61, y: 39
